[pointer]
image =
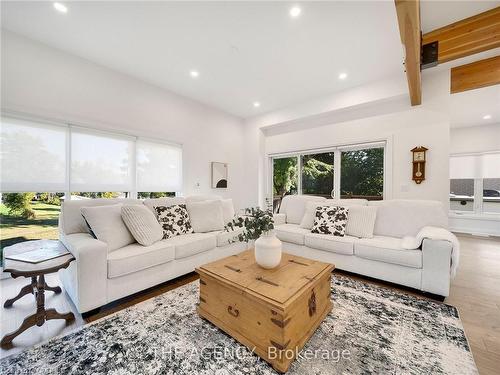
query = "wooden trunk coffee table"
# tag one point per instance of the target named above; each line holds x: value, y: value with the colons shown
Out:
x: 38, y: 286
x: 273, y: 312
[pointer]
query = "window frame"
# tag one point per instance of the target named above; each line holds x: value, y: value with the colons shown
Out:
x: 84, y: 128
x: 385, y: 144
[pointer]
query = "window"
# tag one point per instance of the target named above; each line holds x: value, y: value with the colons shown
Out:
x: 38, y: 156
x: 153, y: 194
x: 159, y: 167
x: 285, y: 179
x: 475, y: 183
x: 362, y: 174
x: 100, y: 162
x: 28, y: 216
x: 462, y: 194
x: 317, y: 174
x: 491, y: 195
x: 33, y: 156
x: 347, y: 172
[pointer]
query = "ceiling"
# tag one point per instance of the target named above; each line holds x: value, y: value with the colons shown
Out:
x: 468, y: 108
x: 438, y: 13
x: 244, y: 51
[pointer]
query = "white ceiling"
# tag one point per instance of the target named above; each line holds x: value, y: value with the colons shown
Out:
x: 438, y: 13
x: 244, y: 51
x: 468, y: 108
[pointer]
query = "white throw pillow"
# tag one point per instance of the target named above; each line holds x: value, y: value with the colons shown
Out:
x: 361, y: 221
x: 206, y: 216
x: 331, y: 220
x: 107, y: 224
x: 227, y: 210
x: 310, y: 211
x: 142, y: 223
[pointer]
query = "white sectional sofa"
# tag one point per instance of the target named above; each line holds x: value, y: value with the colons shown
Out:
x: 99, y: 276
x: 382, y: 256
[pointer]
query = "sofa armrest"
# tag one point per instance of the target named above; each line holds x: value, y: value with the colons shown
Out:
x: 436, y: 266
x: 279, y: 219
x: 85, y: 280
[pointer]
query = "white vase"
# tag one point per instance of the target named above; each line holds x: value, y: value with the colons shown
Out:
x: 268, y: 250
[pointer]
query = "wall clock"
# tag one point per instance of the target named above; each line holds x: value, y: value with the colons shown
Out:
x: 418, y: 161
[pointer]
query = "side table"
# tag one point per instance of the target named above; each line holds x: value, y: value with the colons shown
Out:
x: 38, y: 286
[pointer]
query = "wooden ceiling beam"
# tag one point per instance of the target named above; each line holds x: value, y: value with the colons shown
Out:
x: 478, y: 74
x: 408, y: 12
x: 466, y: 37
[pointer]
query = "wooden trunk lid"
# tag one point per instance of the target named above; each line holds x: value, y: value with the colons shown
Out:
x: 278, y: 285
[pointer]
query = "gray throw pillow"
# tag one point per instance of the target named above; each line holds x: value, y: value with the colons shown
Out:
x: 142, y: 223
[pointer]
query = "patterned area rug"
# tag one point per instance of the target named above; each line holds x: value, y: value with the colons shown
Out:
x: 370, y: 330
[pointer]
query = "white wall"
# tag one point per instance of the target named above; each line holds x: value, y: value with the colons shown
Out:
x: 42, y: 81
x: 402, y: 126
x: 475, y: 139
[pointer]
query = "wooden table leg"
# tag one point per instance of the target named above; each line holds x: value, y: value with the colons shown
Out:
x: 28, y: 289
x: 41, y: 315
x: 55, y: 289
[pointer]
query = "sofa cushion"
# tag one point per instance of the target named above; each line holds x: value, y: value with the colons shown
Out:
x: 201, y: 198
x: 226, y: 238
x: 330, y: 220
x: 388, y: 250
x: 174, y: 220
x: 361, y: 221
x: 227, y: 210
x: 71, y: 220
x: 142, y: 224
x: 135, y: 257
x: 399, y: 217
x: 165, y: 202
x: 108, y: 226
x: 327, y: 242
x: 191, y: 244
x: 311, y: 206
x: 206, y: 216
x: 294, y: 206
x: 292, y: 233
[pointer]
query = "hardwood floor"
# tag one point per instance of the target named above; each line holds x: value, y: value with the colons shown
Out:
x: 475, y: 292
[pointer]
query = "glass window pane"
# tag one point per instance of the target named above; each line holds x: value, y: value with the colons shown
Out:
x: 285, y: 179
x: 462, y: 194
x: 28, y: 216
x: 100, y: 194
x: 154, y: 194
x: 491, y: 195
x: 317, y: 174
x: 33, y: 156
x: 159, y: 167
x: 100, y: 162
x: 362, y: 174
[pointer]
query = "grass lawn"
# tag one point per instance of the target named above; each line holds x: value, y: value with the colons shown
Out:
x: 17, y: 229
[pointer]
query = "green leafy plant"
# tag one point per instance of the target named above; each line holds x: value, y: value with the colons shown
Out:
x: 254, y: 222
x: 19, y: 204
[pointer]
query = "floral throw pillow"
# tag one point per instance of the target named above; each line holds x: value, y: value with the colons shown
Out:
x: 330, y: 220
x: 174, y: 220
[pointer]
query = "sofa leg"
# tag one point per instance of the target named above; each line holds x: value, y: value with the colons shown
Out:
x: 88, y: 314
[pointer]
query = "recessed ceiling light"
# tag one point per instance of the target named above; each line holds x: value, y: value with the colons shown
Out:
x: 61, y: 7
x: 295, y: 12
x: 342, y: 76
x: 486, y: 117
x: 194, y: 73
x: 256, y: 104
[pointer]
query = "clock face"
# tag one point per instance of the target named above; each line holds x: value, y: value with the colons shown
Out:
x: 419, y: 156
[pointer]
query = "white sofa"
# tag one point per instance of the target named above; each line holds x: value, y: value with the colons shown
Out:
x: 381, y: 257
x: 99, y: 276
